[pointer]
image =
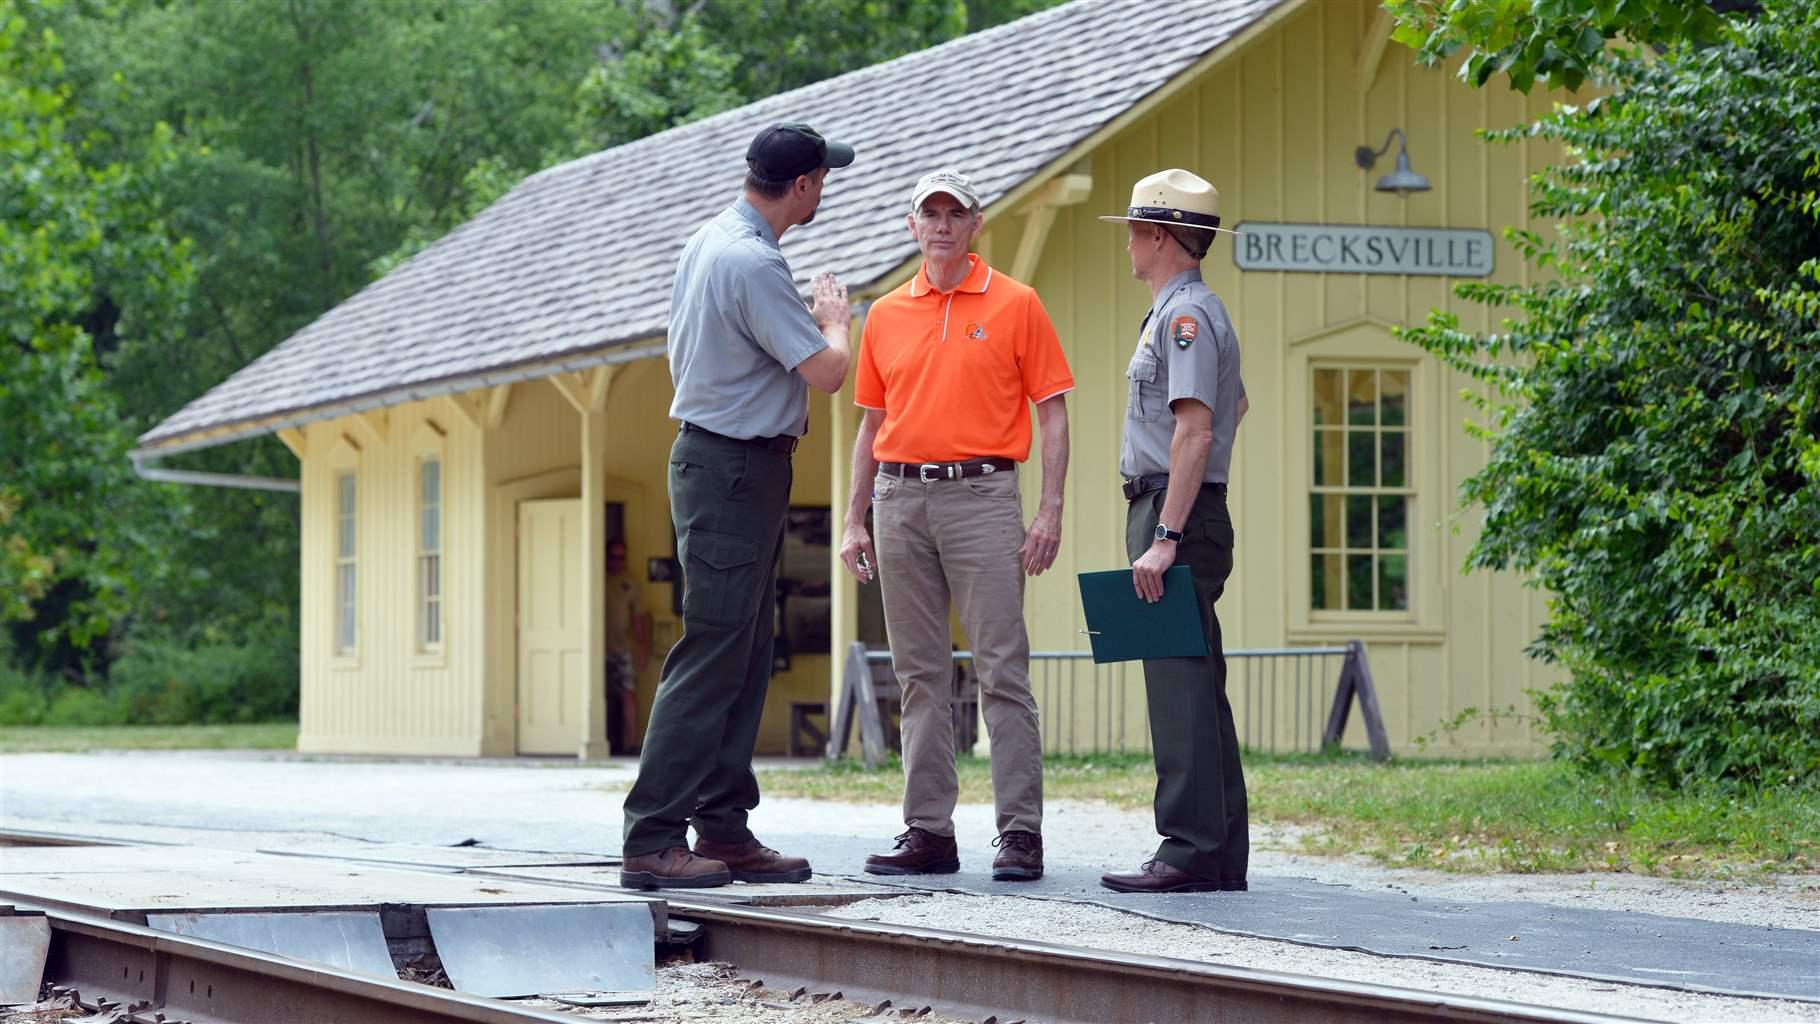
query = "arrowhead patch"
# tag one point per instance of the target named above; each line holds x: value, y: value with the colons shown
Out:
x: 1183, y: 329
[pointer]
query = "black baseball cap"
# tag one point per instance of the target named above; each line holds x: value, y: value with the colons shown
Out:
x: 784, y: 151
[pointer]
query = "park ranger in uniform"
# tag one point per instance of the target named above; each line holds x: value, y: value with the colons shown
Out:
x: 744, y: 351
x: 1186, y: 400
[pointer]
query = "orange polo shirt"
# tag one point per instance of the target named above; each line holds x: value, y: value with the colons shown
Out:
x: 954, y: 371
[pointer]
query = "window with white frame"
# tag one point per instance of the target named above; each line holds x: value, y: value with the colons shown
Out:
x: 1360, y: 496
x: 429, y: 554
x: 347, y: 629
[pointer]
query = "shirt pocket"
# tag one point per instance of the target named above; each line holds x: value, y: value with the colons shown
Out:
x: 1146, y: 399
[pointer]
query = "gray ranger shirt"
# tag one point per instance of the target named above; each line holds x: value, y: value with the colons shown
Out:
x: 738, y: 331
x: 1186, y: 349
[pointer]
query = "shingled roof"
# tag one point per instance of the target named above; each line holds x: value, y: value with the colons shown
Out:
x: 575, y: 263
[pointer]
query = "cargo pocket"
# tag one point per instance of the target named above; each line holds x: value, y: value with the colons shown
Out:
x: 720, y: 578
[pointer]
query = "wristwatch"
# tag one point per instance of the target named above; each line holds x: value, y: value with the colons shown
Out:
x: 1165, y: 533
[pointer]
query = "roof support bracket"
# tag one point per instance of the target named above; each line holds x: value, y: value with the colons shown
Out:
x: 293, y: 439
x: 497, y: 401
x: 1039, y: 216
x: 373, y: 425
x: 573, y: 387
x: 1371, y: 49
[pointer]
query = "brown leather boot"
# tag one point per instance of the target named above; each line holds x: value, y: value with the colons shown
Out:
x: 1155, y: 876
x: 919, y: 852
x: 1020, y: 857
x: 674, y: 868
x: 753, y: 861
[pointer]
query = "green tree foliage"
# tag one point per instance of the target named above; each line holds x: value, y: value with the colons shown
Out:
x: 1655, y: 462
x: 314, y: 137
x: 312, y: 145
x: 1557, y: 41
x: 85, y: 254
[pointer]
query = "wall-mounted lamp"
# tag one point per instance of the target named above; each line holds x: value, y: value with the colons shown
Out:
x: 1402, y: 181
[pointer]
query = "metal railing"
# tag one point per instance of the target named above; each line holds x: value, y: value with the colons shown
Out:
x: 1285, y: 699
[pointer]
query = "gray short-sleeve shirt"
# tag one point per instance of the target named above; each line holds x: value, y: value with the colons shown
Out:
x: 738, y: 331
x: 1186, y: 349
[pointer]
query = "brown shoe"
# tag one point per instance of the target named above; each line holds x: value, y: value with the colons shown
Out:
x: 1156, y: 876
x: 1020, y: 857
x: 674, y: 868
x: 753, y: 861
x: 919, y: 852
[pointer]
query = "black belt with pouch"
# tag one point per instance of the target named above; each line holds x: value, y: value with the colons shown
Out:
x: 1138, y: 486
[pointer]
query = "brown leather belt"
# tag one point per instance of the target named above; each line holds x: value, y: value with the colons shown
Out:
x: 929, y: 472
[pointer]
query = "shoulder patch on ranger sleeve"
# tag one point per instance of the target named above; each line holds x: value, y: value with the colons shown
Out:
x: 1184, y: 329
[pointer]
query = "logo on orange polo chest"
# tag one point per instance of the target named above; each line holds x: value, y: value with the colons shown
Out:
x: 1184, y: 329
x: 976, y: 330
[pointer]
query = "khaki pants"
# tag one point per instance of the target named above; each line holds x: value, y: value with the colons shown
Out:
x: 959, y: 539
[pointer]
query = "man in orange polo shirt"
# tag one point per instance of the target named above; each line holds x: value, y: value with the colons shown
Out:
x: 948, y: 366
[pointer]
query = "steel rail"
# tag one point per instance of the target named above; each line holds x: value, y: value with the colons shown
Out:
x: 152, y: 976
x: 980, y: 976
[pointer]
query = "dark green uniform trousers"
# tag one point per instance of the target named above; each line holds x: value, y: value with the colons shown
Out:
x: 727, y: 500
x: 1200, y: 788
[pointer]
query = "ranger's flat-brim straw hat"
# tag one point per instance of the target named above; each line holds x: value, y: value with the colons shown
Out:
x: 1177, y: 197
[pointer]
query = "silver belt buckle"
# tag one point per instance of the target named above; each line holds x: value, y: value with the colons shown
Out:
x: 922, y: 472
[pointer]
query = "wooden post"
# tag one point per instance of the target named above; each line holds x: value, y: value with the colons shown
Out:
x: 594, y: 584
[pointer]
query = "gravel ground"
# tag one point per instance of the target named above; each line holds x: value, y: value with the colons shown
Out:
x: 697, y: 993
x: 266, y: 800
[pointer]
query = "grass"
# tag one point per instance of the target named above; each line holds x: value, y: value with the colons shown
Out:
x: 1479, y: 816
x: 16, y: 739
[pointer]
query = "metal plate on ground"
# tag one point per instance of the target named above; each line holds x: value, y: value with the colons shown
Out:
x: 25, y: 941
x: 510, y: 952
x: 353, y: 940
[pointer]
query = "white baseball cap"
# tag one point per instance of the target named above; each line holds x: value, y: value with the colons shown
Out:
x: 952, y: 182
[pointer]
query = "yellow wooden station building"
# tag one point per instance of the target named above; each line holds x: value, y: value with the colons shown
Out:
x: 473, y: 427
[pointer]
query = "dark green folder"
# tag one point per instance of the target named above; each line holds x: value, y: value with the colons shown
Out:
x: 1125, y: 627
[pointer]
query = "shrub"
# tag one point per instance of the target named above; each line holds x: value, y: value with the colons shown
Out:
x: 1656, y: 453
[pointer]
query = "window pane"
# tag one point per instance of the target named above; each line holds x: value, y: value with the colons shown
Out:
x: 1358, y: 582
x: 1329, y: 458
x: 1324, y: 584
x: 1393, y: 583
x: 1327, y: 398
x: 1393, y: 515
x: 1362, y: 397
x: 1361, y: 460
x: 433, y: 623
x: 345, y: 487
x: 1393, y: 444
x: 1358, y: 521
x: 1394, y: 402
x: 433, y: 583
x: 432, y: 528
x: 432, y: 482
x: 1324, y: 511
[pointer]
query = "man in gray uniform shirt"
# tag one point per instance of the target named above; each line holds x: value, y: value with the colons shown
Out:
x: 1186, y: 400
x: 743, y: 352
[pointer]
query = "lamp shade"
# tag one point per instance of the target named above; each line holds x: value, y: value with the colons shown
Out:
x: 1402, y: 181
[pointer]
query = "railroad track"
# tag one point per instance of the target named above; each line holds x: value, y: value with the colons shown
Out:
x: 144, y: 976
x: 980, y: 976
x: 151, y: 977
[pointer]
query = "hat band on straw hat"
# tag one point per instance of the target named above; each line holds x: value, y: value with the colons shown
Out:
x: 1182, y: 217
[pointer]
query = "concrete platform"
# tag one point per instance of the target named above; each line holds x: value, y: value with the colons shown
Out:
x: 1634, y: 948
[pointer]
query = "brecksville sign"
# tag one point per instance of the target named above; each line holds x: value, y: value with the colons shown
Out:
x: 1363, y: 249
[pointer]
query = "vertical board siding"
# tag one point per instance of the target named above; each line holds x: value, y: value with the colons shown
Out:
x: 1275, y: 133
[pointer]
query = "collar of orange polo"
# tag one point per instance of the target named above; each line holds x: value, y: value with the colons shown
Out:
x: 975, y: 281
